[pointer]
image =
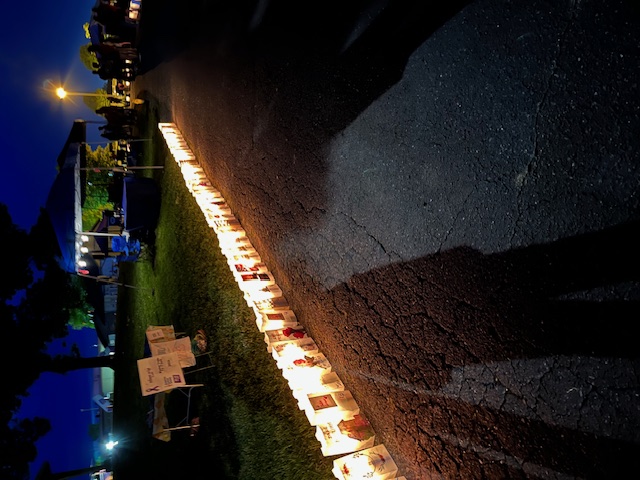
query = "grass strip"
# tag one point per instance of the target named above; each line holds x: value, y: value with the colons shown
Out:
x: 251, y: 427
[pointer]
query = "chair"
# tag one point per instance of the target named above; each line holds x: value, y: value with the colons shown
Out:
x: 184, y: 422
x: 160, y: 422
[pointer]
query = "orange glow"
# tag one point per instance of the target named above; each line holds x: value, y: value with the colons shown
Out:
x: 319, y: 392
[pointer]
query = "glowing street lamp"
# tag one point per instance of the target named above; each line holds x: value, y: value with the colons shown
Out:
x: 62, y: 93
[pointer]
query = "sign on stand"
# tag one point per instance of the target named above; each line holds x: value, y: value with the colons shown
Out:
x: 160, y: 373
x: 181, y: 346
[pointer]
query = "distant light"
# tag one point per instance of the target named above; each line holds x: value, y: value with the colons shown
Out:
x: 84, y: 249
x: 61, y: 92
x: 111, y: 444
x: 84, y: 238
x: 82, y: 263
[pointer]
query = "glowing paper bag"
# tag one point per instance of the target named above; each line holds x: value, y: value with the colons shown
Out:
x: 329, y: 382
x: 285, y: 351
x: 304, y: 369
x: 330, y: 407
x: 274, y: 319
x: 284, y: 335
x: 371, y: 463
x: 346, y: 436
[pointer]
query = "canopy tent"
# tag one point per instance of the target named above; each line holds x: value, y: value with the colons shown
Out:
x: 64, y: 203
x: 64, y: 207
x: 109, y: 219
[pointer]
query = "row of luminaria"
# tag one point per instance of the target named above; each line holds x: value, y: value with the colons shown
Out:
x: 341, y: 428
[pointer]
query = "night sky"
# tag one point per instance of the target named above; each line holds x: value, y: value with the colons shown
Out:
x: 41, y: 40
x: 66, y: 401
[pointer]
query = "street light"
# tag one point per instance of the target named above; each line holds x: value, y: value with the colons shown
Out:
x: 62, y: 93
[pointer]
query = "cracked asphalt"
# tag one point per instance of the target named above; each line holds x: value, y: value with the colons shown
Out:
x: 448, y: 198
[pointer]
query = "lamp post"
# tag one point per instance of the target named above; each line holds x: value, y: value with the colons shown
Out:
x: 62, y: 93
x: 89, y: 409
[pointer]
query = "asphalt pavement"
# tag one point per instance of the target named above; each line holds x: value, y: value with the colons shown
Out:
x: 448, y: 198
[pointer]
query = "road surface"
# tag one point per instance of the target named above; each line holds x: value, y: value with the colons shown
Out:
x: 448, y: 199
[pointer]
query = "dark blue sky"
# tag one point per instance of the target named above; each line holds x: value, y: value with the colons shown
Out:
x: 62, y: 399
x: 41, y: 40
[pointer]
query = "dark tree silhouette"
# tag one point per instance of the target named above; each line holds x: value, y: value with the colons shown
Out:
x: 48, y: 304
x: 66, y: 363
x: 17, y: 446
x: 32, y: 313
x: 45, y: 472
x: 42, y: 241
x: 17, y: 274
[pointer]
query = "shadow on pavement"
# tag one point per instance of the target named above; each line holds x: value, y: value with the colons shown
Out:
x: 531, y: 345
x: 340, y: 56
x: 277, y: 81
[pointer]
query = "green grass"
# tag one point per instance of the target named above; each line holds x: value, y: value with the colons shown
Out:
x: 251, y: 427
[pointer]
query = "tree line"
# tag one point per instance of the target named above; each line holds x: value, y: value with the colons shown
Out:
x: 38, y: 300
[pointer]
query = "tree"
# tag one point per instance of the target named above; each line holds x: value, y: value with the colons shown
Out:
x: 94, y: 431
x: 48, y: 305
x: 17, y: 446
x: 45, y: 471
x: 41, y: 316
x: 44, y: 250
x: 17, y: 273
x: 98, y: 184
x: 31, y: 315
x: 66, y: 363
x: 43, y: 242
x: 88, y: 58
x: 101, y: 157
x: 95, y: 103
x: 79, y: 319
